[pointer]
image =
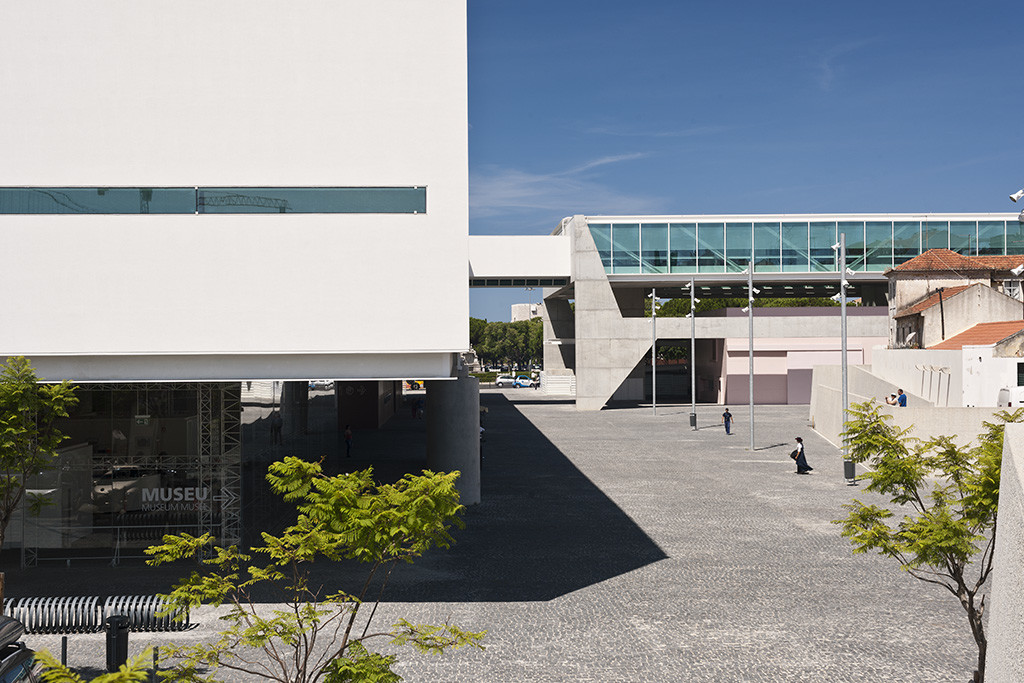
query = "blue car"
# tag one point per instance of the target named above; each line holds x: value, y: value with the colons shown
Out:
x: 523, y: 381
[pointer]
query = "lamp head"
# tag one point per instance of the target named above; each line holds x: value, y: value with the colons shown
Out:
x: 1017, y: 195
x: 745, y: 309
x: 755, y: 290
x: 696, y: 300
x: 1018, y: 270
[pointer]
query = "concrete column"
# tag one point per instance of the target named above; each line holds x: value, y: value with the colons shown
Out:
x: 1005, y: 628
x: 453, y: 431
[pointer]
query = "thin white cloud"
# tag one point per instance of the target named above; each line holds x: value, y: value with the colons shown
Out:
x: 495, y: 190
x: 826, y: 63
x: 693, y: 131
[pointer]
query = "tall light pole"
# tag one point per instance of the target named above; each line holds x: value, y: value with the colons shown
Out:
x: 654, y: 357
x: 849, y: 467
x: 693, y: 357
x: 750, y: 344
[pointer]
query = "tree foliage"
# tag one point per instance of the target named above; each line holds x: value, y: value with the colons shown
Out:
x: 520, y: 343
x: 135, y: 670
x: 28, y: 435
x: 317, y: 636
x: 947, y: 497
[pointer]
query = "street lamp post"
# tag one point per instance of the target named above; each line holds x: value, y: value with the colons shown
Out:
x: 693, y: 369
x: 654, y: 357
x: 849, y: 467
x: 750, y: 345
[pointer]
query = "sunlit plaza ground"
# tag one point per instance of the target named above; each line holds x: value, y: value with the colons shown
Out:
x: 623, y: 546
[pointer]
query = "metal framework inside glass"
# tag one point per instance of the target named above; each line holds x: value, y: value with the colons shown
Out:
x: 183, y: 200
x: 792, y: 246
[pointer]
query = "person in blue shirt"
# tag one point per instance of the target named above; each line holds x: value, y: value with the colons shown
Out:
x: 901, y: 398
x: 727, y: 421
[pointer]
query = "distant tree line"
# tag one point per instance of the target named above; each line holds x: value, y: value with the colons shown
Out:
x: 497, y: 343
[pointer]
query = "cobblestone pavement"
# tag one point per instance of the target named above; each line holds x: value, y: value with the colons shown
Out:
x: 622, y: 546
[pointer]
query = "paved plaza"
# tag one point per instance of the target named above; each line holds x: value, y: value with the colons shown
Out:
x: 623, y: 546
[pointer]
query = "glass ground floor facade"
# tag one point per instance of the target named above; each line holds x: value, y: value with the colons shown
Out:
x: 140, y: 461
x: 697, y: 244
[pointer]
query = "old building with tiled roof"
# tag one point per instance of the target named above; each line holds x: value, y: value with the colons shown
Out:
x: 941, y: 293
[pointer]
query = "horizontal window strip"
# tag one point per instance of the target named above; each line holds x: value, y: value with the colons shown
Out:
x: 224, y: 200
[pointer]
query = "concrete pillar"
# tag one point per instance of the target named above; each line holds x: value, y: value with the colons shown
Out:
x: 453, y: 431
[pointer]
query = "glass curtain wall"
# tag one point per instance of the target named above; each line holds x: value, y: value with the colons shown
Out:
x: 792, y: 246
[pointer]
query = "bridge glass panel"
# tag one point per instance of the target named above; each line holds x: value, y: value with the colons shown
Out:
x: 906, y: 237
x: 935, y: 235
x: 854, y: 231
x: 991, y: 240
x: 767, y: 247
x: 796, y: 256
x: 654, y: 248
x: 602, y: 234
x: 711, y: 247
x: 963, y: 237
x: 879, y: 245
x: 1014, y: 237
x: 682, y: 247
x: 625, y: 248
x: 822, y: 237
x: 737, y: 246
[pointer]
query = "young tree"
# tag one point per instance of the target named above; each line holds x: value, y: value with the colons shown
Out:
x: 28, y: 436
x: 317, y: 635
x: 947, y: 498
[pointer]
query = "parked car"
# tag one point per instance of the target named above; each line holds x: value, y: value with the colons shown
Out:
x: 524, y: 381
x: 504, y: 380
x: 323, y: 384
x: 17, y: 662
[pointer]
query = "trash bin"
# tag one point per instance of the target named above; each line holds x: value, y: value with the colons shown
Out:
x: 117, y: 641
x: 849, y: 470
x: 693, y: 420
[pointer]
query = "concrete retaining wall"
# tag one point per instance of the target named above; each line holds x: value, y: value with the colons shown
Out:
x: 927, y: 421
x: 1005, y: 626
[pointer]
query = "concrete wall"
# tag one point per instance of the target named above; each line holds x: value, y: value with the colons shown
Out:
x: 1004, y: 662
x: 235, y: 93
x: 902, y: 368
x: 927, y: 421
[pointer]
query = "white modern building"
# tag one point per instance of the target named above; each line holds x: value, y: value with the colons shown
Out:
x: 196, y: 194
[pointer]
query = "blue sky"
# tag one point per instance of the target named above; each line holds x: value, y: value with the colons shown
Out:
x: 738, y: 107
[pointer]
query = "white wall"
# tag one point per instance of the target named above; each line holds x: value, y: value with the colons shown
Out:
x: 253, y: 92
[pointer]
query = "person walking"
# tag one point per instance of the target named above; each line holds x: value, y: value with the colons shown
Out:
x: 801, y: 458
x: 348, y: 441
x: 727, y: 421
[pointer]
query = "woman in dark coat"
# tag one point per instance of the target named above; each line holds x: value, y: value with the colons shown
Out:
x: 801, y: 460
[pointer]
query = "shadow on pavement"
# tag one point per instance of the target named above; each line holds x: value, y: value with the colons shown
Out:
x: 543, y: 529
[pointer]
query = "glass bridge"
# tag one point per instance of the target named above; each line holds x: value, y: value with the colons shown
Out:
x: 793, y: 243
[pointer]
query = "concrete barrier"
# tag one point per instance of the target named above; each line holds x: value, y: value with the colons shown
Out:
x: 964, y: 424
x: 1006, y: 628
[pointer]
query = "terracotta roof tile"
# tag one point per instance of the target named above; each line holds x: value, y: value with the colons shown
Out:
x: 946, y: 259
x: 982, y: 334
x: 941, y: 259
x: 933, y: 300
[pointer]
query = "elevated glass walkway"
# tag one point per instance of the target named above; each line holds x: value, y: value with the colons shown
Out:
x: 780, y: 243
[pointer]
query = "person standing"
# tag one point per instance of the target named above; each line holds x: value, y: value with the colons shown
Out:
x: 348, y: 441
x: 901, y: 398
x: 801, y: 459
x: 727, y: 421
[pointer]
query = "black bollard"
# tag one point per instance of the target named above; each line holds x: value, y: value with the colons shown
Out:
x: 117, y: 641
